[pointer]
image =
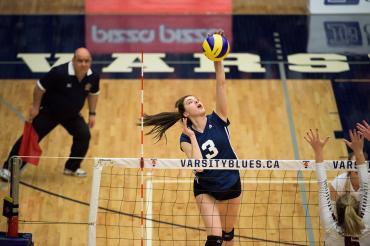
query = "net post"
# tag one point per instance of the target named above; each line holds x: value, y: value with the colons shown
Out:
x: 94, y: 199
x: 14, y: 194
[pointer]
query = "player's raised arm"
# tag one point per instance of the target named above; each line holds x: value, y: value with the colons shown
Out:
x: 221, y: 91
x: 216, y: 48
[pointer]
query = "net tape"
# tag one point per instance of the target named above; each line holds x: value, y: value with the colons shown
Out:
x: 240, y: 164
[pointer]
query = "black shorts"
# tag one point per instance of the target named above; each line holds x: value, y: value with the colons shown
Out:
x: 233, y: 192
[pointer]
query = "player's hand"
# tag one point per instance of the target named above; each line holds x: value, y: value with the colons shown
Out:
x: 33, y: 112
x: 91, y: 122
x: 221, y: 32
x: 357, y: 141
x: 185, y: 129
x: 364, y: 129
x: 313, y: 138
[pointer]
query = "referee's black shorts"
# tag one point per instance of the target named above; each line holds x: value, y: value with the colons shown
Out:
x: 233, y: 192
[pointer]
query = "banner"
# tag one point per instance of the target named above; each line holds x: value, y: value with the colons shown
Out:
x: 228, y: 164
x: 346, y: 34
x: 152, y: 33
x: 150, y: 7
x: 339, y: 6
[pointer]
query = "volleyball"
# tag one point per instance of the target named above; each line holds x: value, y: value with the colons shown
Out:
x: 216, y: 47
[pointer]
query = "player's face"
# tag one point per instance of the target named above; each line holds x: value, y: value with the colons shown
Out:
x: 193, y: 107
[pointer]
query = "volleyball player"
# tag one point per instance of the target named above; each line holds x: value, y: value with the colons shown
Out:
x: 351, y: 224
x: 217, y: 192
x: 347, y: 182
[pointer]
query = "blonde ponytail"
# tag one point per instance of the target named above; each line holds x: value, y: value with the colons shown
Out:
x: 348, y: 219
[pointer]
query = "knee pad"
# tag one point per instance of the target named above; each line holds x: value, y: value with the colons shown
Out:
x: 228, y: 236
x: 214, y: 241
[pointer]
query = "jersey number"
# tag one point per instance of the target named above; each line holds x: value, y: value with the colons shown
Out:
x: 351, y: 241
x: 210, y: 146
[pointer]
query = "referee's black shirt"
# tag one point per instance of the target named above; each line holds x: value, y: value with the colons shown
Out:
x: 64, y: 95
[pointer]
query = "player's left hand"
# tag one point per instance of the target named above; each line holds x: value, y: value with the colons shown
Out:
x: 357, y: 141
x: 185, y: 129
x: 91, y: 122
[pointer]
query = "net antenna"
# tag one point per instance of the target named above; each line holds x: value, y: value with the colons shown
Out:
x: 142, y: 150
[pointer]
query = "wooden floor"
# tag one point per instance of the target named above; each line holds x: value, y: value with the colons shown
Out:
x: 259, y: 130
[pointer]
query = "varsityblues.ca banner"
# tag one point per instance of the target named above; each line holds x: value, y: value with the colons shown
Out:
x: 339, y: 6
x: 226, y: 164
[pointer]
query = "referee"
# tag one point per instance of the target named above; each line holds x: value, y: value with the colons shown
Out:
x: 58, y: 99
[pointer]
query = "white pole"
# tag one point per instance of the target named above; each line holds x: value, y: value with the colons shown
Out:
x: 94, y: 202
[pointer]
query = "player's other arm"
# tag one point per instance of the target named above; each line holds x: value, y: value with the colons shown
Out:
x: 191, y: 149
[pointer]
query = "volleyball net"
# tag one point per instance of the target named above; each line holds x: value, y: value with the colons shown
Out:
x: 150, y: 201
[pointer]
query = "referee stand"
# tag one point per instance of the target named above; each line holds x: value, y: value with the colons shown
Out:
x: 11, y: 210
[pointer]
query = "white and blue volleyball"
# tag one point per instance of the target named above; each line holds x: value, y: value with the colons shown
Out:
x: 216, y: 47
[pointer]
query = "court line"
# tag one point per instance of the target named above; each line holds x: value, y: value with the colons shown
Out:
x: 296, y: 156
x: 293, y: 138
x: 12, y: 108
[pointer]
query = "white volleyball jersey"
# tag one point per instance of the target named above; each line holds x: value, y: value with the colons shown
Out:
x: 333, y: 233
x: 339, y: 184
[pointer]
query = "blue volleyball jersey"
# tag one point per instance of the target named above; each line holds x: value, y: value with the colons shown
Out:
x: 214, y: 143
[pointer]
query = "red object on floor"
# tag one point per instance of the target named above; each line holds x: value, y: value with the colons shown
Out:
x: 158, y: 7
x: 13, y: 226
x: 30, y: 148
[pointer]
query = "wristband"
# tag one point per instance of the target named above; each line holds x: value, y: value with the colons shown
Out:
x: 92, y: 113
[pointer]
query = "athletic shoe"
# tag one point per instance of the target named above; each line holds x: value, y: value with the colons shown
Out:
x: 5, y: 175
x: 78, y: 173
